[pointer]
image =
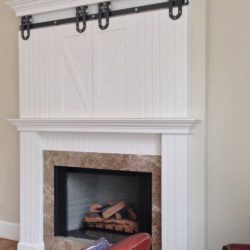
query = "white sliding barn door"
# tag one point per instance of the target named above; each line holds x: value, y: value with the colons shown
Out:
x: 115, y: 67
x: 76, y: 71
x: 138, y: 67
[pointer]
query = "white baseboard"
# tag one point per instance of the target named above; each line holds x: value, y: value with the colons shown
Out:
x: 9, y: 230
x: 26, y: 246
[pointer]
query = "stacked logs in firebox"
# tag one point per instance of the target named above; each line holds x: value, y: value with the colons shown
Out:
x: 112, y: 216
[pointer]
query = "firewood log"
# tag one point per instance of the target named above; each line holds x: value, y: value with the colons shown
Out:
x: 93, y: 219
x: 129, y: 229
x: 100, y: 225
x: 118, y: 216
x: 131, y: 213
x: 118, y: 228
x: 110, y: 227
x: 126, y: 222
x: 114, y: 227
x: 95, y: 208
x: 110, y: 211
x: 90, y: 214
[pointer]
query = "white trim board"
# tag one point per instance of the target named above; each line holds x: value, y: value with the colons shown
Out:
x: 27, y: 7
x: 115, y: 125
x: 9, y: 230
x: 30, y: 7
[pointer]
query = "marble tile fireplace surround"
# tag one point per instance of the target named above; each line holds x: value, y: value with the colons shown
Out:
x: 118, y: 99
x: 115, y: 162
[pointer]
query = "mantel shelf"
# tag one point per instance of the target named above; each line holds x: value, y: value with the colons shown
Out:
x: 96, y: 125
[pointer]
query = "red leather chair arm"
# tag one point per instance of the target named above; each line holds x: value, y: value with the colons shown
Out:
x: 141, y: 241
x: 237, y: 247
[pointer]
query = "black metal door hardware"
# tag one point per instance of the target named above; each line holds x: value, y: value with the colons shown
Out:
x: 103, y: 16
x: 171, y: 9
x: 103, y: 11
x: 25, y: 27
x: 81, y: 17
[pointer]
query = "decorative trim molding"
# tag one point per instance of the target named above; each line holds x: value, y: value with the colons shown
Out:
x: 31, y: 194
x: 91, y: 125
x: 9, y: 230
x: 176, y: 192
x: 31, y: 7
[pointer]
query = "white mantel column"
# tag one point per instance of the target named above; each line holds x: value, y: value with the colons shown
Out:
x: 176, y: 191
x: 31, y: 189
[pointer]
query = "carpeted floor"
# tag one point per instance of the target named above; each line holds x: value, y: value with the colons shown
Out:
x: 8, y: 245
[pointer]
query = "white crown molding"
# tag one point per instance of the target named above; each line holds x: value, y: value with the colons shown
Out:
x: 32, y: 7
x: 146, y: 126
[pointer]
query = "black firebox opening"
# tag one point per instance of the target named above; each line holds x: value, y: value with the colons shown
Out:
x: 77, y: 188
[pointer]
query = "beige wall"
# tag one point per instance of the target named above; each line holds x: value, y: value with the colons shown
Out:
x: 228, y: 122
x: 198, y: 76
x: 9, y: 155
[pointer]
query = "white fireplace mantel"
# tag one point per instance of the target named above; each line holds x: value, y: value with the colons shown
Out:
x: 96, y: 125
x: 175, y: 146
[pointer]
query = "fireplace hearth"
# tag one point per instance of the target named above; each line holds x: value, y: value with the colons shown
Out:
x: 94, y: 203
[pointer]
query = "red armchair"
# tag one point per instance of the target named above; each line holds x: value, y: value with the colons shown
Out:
x: 236, y: 247
x: 141, y: 241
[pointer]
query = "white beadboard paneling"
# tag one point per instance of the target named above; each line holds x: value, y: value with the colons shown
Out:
x: 31, y: 193
x: 103, y: 143
x: 56, y: 73
x: 176, y: 192
x: 114, y: 68
x: 76, y: 70
x: 138, y: 67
